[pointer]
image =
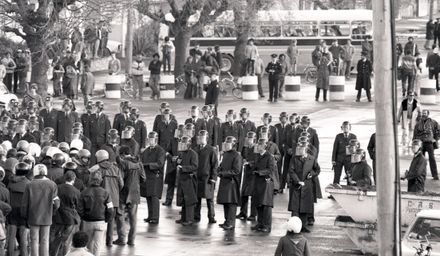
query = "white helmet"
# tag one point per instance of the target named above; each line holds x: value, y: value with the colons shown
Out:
x: 101, y: 155
x: 52, y: 151
x: 76, y: 144
x: 34, y: 149
x: 40, y: 169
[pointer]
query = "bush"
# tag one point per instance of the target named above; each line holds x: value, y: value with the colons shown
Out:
x: 146, y: 38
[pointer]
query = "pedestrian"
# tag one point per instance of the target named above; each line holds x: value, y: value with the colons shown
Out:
x: 323, y: 73
x: 218, y: 55
x: 316, y: 56
x: 416, y: 175
x: 229, y: 127
x: 409, y: 110
x: 57, y: 78
x: 154, y: 68
x: 70, y: 82
x: 40, y: 200
x: 372, y: 152
x: 293, y: 54
x: 264, y: 172
x: 95, y: 208
x: 259, y: 72
x: 273, y: 136
x: 412, y: 47
x: 20, y: 73
x: 284, y: 71
x: 361, y: 173
x: 347, y: 58
x: 190, y: 77
x: 274, y: 70
x: 167, y: 48
x: 79, y: 243
x: 187, y: 165
x: 206, y: 176
x: 87, y: 84
x: 367, y: 47
x: 336, y: 50
x: 246, y: 126
x: 433, y: 65
x: 121, y: 119
x: 99, y: 127
x: 32, y: 95
x: 212, y: 91
x: 114, y: 64
x: 341, y: 157
x: 427, y: 130
x: 210, y: 63
x: 293, y: 243
x: 251, y: 54
x: 363, y: 78
x: 137, y: 72
x: 282, y: 141
x: 65, y: 120
x: 408, y: 69
x: 430, y: 30
x: 66, y: 218
x: 153, y: 159
x: 10, y: 65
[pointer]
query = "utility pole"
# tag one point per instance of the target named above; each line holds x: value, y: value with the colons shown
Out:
x: 129, y: 41
x: 431, y: 9
x: 388, y: 194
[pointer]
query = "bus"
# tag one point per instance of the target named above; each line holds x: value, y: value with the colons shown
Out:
x: 274, y: 31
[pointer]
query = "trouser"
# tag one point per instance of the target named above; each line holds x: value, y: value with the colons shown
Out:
x: 96, y: 232
x: 347, y: 68
x: 209, y: 204
x: 293, y: 67
x: 324, y: 94
x: 23, y: 241
x: 21, y: 87
x: 110, y: 225
x: 57, y: 87
x: 16, y: 80
x: 260, y: 86
x: 285, y: 172
x: 250, y: 66
x: 188, y: 213
x: 407, y: 77
x: 60, y: 239
x: 338, y: 170
x: 129, y: 210
x: 138, y: 86
x: 40, y: 240
x: 374, y: 171
x: 428, y: 44
x: 244, y: 207
x: 96, y: 48
x: 170, y: 193
x: 281, y: 83
x: 198, y: 90
x: 166, y: 62
x: 264, y: 218
x: 86, y: 96
x: 433, y: 74
x: 273, y: 89
x: 154, y: 85
x: 360, y: 93
x: 230, y: 210
x: 153, y: 207
x: 8, y: 82
x: 429, y: 147
x: 436, y: 38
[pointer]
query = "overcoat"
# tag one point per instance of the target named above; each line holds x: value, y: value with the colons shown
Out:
x: 187, y: 178
x: 153, y: 160
x: 230, y: 173
x: 207, y: 171
x: 265, y: 170
x: 363, y: 78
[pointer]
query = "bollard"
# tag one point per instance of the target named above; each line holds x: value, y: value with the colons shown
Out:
x: 292, y: 85
x: 113, y: 87
x: 167, y: 87
x: 249, y: 88
x: 427, y: 91
x: 336, y: 88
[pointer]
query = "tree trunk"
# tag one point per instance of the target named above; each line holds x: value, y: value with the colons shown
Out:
x: 181, y: 47
x: 129, y: 41
x: 40, y: 63
x: 431, y: 9
x: 240, y: 46
x: 397, y: 9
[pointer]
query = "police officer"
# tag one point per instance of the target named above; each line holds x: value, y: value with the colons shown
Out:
x: 66, y: 118
x: 262, y: 197
x: 341, y: 157
x: 194, y: 116
x: 82, y: 161
x: 273, y: 149
x: 140, y: 128
x: 48, y: 137
x: 153, y: 159
x: 304, y: 127
x: 274, y: 70
x: 56, y: 170
x: 99, y: 128
x: 158, y: 118
x: 112, y: 146
x: 87, y: 119
x: 77, y: 134
x: 282, y: 146
x: 187, y: 165
x: 229, y: 172
x: 206, y: 175
x: 128, y: 140
x: 49, y: 114
x: 14, y: 111
x: 34, y: 129
x: 229, y: 128
x: 247, y: 188
x: 121, y: 111
x: 166, y: 129
x: 11, y: 131
x: 247, y: 126
x: 273, y: 133
x: 416, y: 175
x: 122, y: 119
x: 361, y: 173
x: 22, y: 133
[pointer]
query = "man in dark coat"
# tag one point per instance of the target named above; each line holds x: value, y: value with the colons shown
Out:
x: 281, y: 128
x: 272, y: 149
x: 128, y: 140
x: 433, y: 65
x: 166, y: 129
x: 49, y: 114
x: 159, y: 117
x: 304, y: 129
x: 205, y: 123
x: 430, y: 28
x: 416, y: 174
x: 303, y: 169
x: 134, y: 175
x: 112, y: 145
x: 87, y: 120
x: 229, y: 128
x: 274, y: 70
x: 99, y: 127
x: 363, y: 79
x: 229, y: 172
x: 372, y: 152
x: 206, y: 175
x: 273, y: 132
x: 153, y: 159
x: 264, y: 172
x: 247, y: 126
x: 212, y: 92
x: 140, y: 128
x: 361, y: 173
x: 65, y: 121
x: 340, y: 156
x: 194, y: 118
x: 121, y: 120
x: 187, y: 165
x: 437, y: 31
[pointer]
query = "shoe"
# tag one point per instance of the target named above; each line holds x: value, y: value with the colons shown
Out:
x: 310, y: 223
x: 331, y: 197
x: 109, y: 244
x: 251, y: 218
x: 256, y: 227
x: 154, y: 222
x: 316, y: 99
x: 269, y: 100
x: 264, y: 230
x: 435, y: 178
x: 325, y: 100
x: 280, y: 96
x: 119, y: 242
x: 275, y: 100
x: 305, y: 230
x: 358, y: 100
x: 166, y: 203
x: 187, y: 223
x: 262, y: 96
x: 241, y: 216
x: 130, y: 243
x: 227, y: 227
x: 221, y: 225
x: 212, y: 221
x: 179, y: 221
x: 196, y: 219
x: 147, y: 220
x: 369, y: 100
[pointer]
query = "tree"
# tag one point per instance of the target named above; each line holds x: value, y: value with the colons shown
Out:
x: 184, y: 25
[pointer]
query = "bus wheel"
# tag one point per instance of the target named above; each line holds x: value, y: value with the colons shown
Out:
x: 228, y: 61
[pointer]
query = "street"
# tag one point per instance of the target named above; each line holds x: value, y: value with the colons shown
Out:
x: 169, y: 238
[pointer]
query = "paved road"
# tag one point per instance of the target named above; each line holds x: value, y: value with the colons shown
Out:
x: 169, y: 238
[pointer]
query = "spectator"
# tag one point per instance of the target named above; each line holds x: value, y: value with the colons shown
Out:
x: 9, y: 63
x: 154, y: 68
x: 367, y: 47
x: 259, y: 71
x: 57, y: 77
x: 430, y: 30
x: 251, y: 54
x: 347, y: 58
x: 363, y: 79
x: 87, y: 84
x: 433, y: 65
x: 324, y: 67
x: 416, y: 175
x: 293, y: 54
x: 412, y: 47
x: 316, y: 55
x: 39, y: 202
x: 114, y: 65
x: 70, y: 82
x: 274, y: 70
x: 437, y: 31
x: 408, y: 70
x: 167, y: 48
x: 104, y: 30
x: 75, y: 38
x: 218, y: 55
x: 284, y: 71
x: 20, y: 73
x: 212, y: 91
x: 32, y: 95
x: 336, y: 51
x: 408, y: 112
x: 293, y: 243
x: 210, y: 64
x: 198, y: 68
x: 79, y: 243
x: 137, y: 71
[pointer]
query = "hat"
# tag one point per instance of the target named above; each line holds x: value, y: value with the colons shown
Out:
x: 294, y: 225
x: 273, y: 55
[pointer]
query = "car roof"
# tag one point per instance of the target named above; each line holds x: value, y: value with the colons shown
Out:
x: 434, y: 214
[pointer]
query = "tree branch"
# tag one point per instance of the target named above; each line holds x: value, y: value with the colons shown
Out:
x: 14, y: 30
x: 206, y: 17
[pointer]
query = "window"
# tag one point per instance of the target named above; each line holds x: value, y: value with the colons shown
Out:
x: 267, y: 31
x: 300, y: 29
x: 426, y: 228
x: 361, y: 29
x: 334, y: 28
x: 224, y: 31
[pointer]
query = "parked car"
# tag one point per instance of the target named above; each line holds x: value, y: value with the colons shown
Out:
x: 423, y: 235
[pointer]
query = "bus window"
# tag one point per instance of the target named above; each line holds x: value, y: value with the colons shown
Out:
x: 208, y: 31
x: 269, y: 31
x: 361, y: 29
x: 334, y: 28
x: 300, y: 29
x: 224, y: 31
